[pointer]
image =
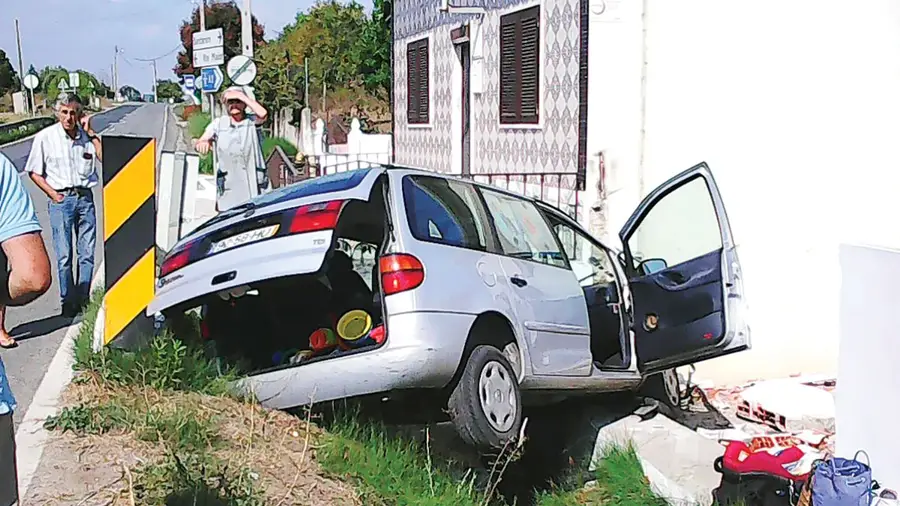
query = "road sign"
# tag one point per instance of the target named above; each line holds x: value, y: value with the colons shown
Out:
x: 30, y: 81
x: 74, y: 79
x: 208, y: 39
x: 241, y: 70
x: 209, y: 57
x: 63, y: 85
x: 189, y: 82
x: 211, y: 79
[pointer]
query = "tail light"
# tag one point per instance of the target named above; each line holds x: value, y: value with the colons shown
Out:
x: 400, y: 272
x: 313, y: 217
x: 176, y: 260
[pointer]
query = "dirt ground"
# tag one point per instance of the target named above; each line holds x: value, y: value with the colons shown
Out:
x: 95, y: 470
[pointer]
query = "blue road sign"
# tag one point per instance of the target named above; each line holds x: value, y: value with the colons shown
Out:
x: 211, y: 79
x: 189, y: 82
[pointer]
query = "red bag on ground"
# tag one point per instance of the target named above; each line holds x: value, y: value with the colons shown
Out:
x: 741, y: 459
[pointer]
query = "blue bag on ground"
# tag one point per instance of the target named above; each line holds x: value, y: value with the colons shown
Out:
x: 842, y: 482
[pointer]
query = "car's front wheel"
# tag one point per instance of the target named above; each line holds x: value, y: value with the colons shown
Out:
x: 486, y: 405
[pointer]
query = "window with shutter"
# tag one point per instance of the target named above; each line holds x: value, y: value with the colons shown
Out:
x: 520, y: 56
x: 417, y: 83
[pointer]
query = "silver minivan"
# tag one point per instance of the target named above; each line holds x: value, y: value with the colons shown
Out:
x: 390, y: 281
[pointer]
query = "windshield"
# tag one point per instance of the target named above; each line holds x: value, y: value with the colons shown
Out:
x: 330, y: 183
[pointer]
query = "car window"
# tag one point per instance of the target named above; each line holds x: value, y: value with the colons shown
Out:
x: 683, y: 225
x: 331, y: 183
x: 522, y: 230
x: 445, y: 211
x: 591, y: 263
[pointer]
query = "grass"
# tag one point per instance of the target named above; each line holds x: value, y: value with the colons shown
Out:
x: 269, y: 144
x: 174, y: 399
x: 197, y: 123
x: 12, y: 135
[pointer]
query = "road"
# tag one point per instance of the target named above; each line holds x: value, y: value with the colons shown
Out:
x: 38, y: 327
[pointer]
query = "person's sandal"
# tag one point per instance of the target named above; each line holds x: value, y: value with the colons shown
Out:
x: 8, y: 344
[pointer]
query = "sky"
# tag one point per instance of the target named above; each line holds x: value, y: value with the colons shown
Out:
x: 83, y: 34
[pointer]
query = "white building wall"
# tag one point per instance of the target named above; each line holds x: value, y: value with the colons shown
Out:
x: 796, y: 107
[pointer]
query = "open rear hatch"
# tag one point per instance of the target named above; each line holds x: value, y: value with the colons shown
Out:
x: 280, y: 280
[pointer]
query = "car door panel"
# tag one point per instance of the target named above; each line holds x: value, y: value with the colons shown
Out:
x: 547, y: 298
x: 691, y: 309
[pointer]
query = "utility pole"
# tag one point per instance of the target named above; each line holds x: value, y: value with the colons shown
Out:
x: 21, y: 64
x: 205, y: 96
x: 115, y: 76
x: 155, y: 82
x: 306, y: 82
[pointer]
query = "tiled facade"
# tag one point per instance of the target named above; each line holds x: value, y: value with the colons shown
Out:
x: 553, y: 147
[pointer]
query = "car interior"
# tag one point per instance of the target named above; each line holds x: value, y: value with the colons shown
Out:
x: 252, y: 331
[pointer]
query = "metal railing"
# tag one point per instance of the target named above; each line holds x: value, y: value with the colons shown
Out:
x: 559, y: 189
x: 319, y: 165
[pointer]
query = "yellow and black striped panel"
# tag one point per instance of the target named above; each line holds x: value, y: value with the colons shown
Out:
x: 129, y: 237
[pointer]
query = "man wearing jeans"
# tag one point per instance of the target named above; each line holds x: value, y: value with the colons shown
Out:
x: 62, y: 165
x: 24, y: 275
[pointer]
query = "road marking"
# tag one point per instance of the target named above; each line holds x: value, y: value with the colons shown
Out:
x: 31, y: 437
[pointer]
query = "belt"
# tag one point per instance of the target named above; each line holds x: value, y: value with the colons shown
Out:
x: 75, y: 190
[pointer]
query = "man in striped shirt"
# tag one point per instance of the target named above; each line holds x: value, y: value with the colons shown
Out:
x: 61, y: 164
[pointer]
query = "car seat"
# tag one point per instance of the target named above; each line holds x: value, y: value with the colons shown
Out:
x: 348, y: 289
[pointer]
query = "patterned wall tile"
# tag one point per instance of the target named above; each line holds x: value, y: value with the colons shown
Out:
x: 552, y: 148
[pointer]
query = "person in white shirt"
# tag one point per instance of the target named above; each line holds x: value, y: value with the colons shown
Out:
x: 241, y: 171
x: 61, y: 164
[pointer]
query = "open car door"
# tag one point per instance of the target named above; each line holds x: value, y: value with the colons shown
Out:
x: 684, y: 274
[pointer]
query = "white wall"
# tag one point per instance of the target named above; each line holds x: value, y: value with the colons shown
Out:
x: 866, y: 409
x: 795, y: 106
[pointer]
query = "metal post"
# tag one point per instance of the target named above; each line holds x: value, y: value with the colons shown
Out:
x: 204, y: 96
x: 247, y: 30
x: 155, y: 82
x: 116, y: 74
x: 33, y: 105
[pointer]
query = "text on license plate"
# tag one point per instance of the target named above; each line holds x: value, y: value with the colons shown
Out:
x: 243, y: 238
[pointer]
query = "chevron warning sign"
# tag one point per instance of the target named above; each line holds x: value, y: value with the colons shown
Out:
x: 129, y: 238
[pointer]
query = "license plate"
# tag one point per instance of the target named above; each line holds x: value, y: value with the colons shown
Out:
x: 247, y: 237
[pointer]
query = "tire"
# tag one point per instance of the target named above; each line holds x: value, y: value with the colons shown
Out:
x: 664, y: 387
x: 487, y: 422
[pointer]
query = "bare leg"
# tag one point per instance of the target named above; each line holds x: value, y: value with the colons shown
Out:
x: 6, y: 341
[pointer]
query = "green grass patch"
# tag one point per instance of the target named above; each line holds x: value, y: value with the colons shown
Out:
x: 8, y: 135
x: 270, y: 143
x: 197, y: 123
x: 206, y: 164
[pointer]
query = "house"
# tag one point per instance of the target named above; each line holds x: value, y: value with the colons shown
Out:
x: 793, y: 105
x: 282, y: 170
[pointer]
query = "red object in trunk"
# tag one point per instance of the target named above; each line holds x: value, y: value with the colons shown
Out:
x: 740, y: 459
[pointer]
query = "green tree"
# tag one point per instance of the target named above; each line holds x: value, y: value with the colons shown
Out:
x: 9, y: 80
x: 166, y: 89
x: 375, y: 59
x: 88, y: 86
x: 219, y: 14
x: 130, y: 93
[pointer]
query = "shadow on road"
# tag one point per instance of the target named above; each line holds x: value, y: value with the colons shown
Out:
x: 40, y: 327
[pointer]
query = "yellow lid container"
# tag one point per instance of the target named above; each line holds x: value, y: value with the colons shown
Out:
x: 354, y: 325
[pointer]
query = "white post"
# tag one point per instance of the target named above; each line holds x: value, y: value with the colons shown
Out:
x: 247, y: 30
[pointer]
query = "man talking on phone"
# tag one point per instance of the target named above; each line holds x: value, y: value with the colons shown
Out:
x: 61, y: 164
x: 24, y: 276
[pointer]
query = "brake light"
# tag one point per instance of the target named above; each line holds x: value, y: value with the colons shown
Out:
x: 176, y: 260
x: 400, y: 272
x: 313, y: 217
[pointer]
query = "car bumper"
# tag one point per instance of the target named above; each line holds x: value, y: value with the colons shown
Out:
x: 422, y: 351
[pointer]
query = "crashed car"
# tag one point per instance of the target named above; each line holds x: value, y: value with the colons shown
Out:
x: 387, y: 281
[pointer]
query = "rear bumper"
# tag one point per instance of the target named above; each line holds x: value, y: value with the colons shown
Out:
x: 422, y: 351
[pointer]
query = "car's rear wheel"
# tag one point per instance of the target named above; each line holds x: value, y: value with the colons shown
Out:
x: 486, y: 405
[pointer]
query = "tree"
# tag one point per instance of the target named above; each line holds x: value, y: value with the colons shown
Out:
x: 166, y: 89
x: 375, y: 64
x: 88, y: 86
x: 9, y: 80
x: 219, y: 14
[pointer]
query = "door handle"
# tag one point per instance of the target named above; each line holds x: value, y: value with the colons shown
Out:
x: 516, y: 280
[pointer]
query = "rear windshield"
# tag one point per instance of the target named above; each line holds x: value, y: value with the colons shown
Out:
x: 330, y: 183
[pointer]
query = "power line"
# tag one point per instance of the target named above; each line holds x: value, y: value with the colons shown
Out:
x: 179, y: 46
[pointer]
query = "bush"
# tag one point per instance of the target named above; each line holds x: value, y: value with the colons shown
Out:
x: 189, y: 110
x: 197, y: 124
x: 269, y: 144
x: 206, y: 164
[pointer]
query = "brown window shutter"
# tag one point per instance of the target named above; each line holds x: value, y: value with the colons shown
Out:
x: 509, y: 110
x: 520, y: 66
x: 530, y: 69
x: 424, y: 82
x: 412, y: 83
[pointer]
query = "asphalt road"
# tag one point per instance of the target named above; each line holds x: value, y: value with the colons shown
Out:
x: 38, y: 327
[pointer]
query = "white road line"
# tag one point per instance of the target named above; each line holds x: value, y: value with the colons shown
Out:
x: 31, y: 435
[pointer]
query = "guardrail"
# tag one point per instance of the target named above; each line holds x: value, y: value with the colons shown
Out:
x: 11, y: 132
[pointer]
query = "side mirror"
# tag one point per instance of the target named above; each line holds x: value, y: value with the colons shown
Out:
x: 652, y: 265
